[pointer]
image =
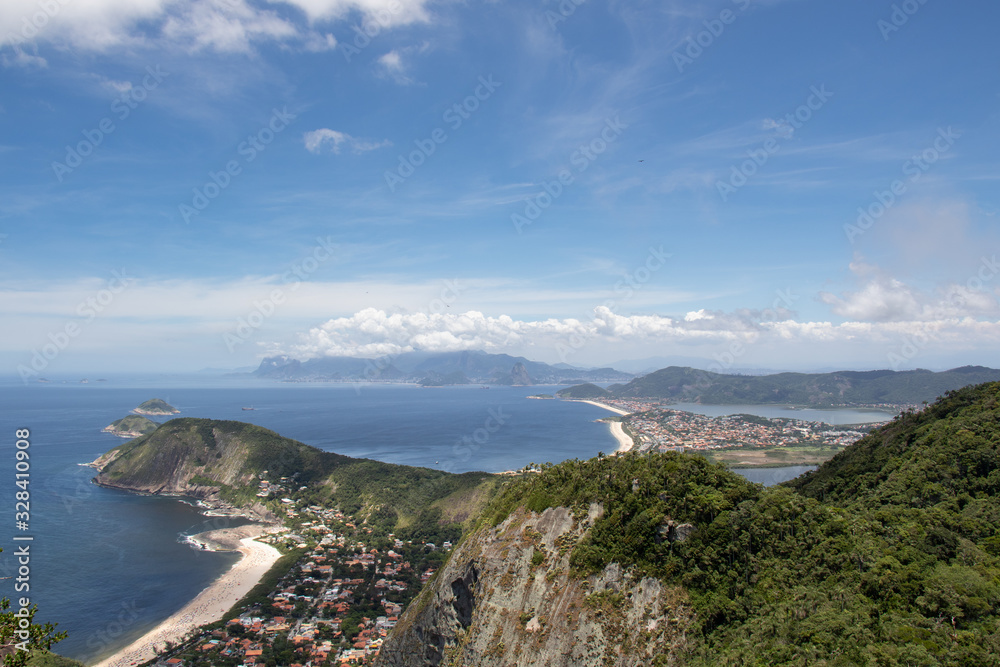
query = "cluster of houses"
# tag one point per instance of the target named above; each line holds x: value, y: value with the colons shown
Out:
x: 335, y: 606
x: 664, y: 430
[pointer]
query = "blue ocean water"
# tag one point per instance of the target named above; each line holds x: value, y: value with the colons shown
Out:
x: 108, y: 565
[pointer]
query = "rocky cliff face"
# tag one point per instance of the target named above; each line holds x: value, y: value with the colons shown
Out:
x: 507, y: 598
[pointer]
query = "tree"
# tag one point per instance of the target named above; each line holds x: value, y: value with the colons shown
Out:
x: 19, y: 635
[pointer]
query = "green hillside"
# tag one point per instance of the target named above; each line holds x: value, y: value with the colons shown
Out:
x: 814, y: 389
x: 134, y: 425
x: 584, y: 391
x: 47, y: 659
x: 889, y: 554
x: 156, y: 406
x: 193, y: 456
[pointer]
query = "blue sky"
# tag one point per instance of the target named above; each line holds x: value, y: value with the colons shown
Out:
x: 190, y: 184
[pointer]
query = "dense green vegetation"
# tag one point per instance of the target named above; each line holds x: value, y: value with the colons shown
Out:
x: 49, y: 659
x: 232, y: 456
x: 133, y: 424
x: 889, y: 554
x: 21, y: 638
x: 587, y: 390
x: 156, y: 406
x: 819, y: 389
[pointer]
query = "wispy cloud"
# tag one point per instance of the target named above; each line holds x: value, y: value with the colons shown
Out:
x: 331, y: 141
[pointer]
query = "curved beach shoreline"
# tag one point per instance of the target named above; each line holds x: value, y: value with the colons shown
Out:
x: 213, y: 602
x: 625, y: 442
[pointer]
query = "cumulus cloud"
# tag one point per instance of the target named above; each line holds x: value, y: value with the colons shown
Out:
x: 373, y: 332
x: 325, y: 139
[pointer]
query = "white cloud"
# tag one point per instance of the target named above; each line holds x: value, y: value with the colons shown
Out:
x: 781, y: 128
x: 317, y: 43
x: 411, y: 315
x: 22, y: 58
x: 221, y: 25
x: 316, y: 141
x: 882, y: 298
x: 393, y: 64
x: 373, y: 332
x: 386, y: 13
x: 392, y: 61
x: 225, y: 26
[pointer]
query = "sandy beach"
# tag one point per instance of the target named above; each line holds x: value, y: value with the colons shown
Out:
x: 618, y: 411
x: 625, y: 442
x: 213, y: 602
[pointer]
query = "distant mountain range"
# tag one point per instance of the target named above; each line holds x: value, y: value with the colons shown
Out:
x: 690, y: 385
x: 449, y: 368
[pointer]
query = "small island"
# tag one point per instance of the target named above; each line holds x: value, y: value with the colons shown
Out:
x: 132, y: 426
x: 543, y: 396
x: 156, y: 406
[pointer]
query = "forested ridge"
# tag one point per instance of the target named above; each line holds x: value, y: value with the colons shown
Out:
x: 889, y: 554
x: 816, y: 389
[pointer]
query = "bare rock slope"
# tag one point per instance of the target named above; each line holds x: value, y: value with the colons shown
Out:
x: 507, y: 598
